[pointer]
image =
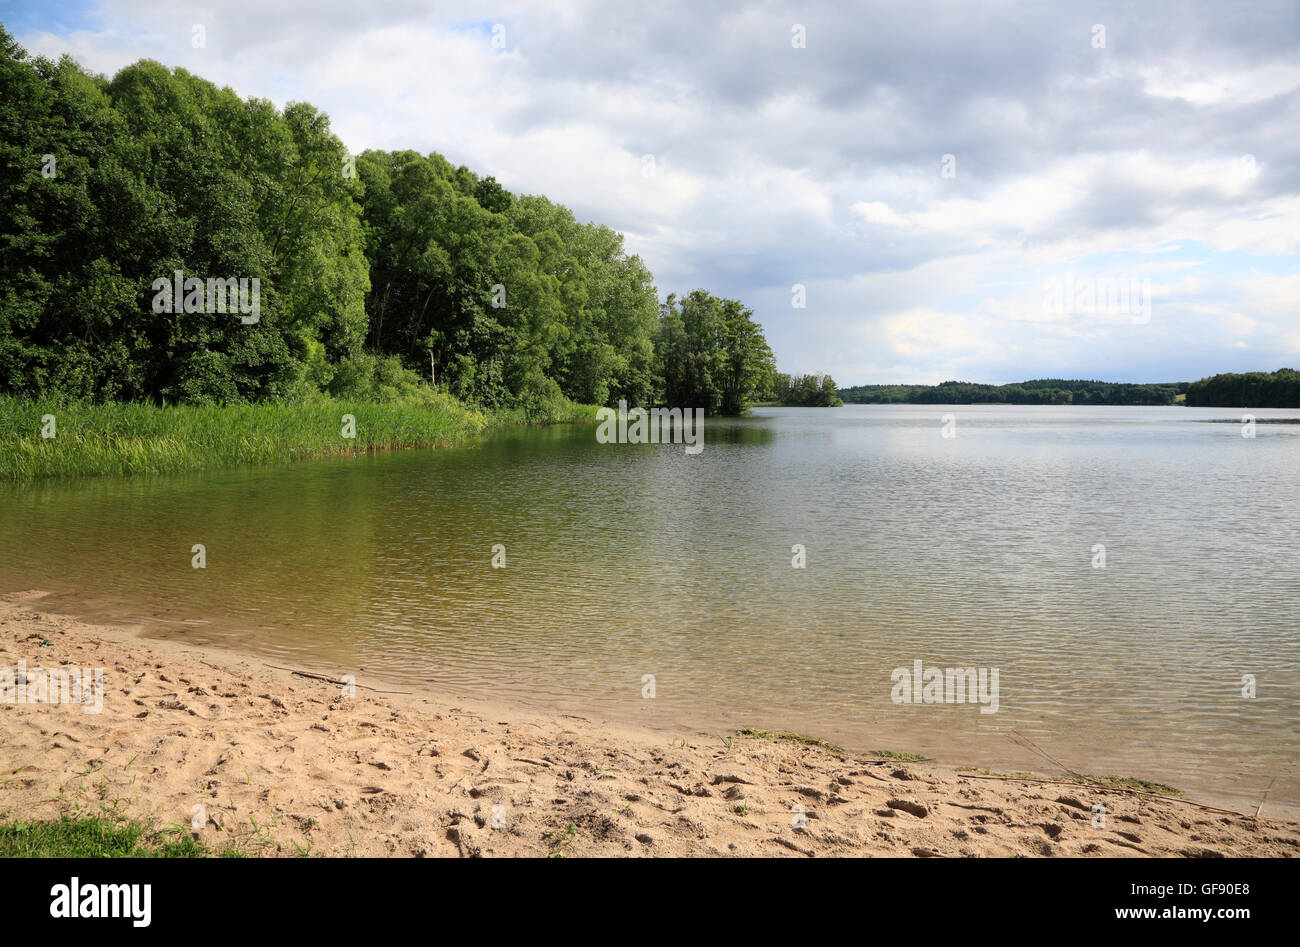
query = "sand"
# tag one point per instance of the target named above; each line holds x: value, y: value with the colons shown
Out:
x: 285, y: 764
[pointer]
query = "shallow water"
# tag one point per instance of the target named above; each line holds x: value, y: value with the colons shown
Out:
x: 627, y: 560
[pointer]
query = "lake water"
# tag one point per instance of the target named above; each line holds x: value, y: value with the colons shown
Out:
x: 975, y: 550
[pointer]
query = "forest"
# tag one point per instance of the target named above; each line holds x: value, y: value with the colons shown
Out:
x: 1037, y: 391
x: 378, y: 276
x: 1279, y: 389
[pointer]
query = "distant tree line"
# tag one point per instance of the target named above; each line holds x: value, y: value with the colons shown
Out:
x: 1037, y: 391
x: 378, y: 273
x: 1279, y: 389
x: 804, y: 391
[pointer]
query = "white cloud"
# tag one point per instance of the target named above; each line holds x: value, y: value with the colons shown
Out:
x: 1201, y: 86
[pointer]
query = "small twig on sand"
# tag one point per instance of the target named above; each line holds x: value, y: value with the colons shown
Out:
x: 330, y: 680
x: 1264, y: 797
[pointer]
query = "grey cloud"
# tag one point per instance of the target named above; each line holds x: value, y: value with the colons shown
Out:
x: 1013, y: 90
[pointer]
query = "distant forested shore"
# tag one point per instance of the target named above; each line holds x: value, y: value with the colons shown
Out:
x: 1037, y: 391
x: 1279, y: 389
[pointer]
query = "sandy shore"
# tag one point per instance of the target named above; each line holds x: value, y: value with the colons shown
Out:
x: 285, y: 763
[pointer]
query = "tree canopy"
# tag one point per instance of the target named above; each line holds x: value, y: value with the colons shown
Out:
x: 804, y: 391
x: 1037, y: 391
x: 376, y: 272
x: 711, y: 354
x: 1279, y: 389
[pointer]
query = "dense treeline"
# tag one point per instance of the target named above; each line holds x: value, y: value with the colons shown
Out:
x: 710, y: 353
x: 378, y: 276
x: 1279, y: 389
x: 502, y: 297
x: 110, y: 185
x: 804, y: 391
x: 1037, y: 391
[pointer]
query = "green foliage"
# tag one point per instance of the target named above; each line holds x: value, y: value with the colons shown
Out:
x: 711, y: 354
x: 121, y: 439
x: 805, y: 391
x: 1280, y: 389
x: 1038, y: 391
x: 407, y: 274
x: 94, y: 837
x: 510, y: 301
x: 153, y: 172
x: 382, y: 378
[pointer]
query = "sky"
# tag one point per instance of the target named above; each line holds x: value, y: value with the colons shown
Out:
x: 901, y: 191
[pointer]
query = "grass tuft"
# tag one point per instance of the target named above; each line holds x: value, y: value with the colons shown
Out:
x: 754, y: 733
x: 95, y: 837
x: 1130, y: 782
x: 901, y: 757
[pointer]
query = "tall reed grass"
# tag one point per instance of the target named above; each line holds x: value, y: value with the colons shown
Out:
x: 122, y: 439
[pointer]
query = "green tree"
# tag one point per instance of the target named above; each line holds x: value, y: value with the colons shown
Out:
x: 711, y: 353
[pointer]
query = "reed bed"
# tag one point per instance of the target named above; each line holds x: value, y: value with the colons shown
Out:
x: 117, y: 439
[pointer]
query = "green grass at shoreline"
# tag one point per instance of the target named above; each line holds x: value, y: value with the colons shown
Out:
x: 94, y: 837
x: 117, y: 439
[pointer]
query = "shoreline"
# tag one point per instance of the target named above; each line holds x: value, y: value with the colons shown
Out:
x: 1195, y: 773
x: 43, y: 441
x: 284, y: 764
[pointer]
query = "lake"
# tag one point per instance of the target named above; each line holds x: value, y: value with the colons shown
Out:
x: 977, y: 550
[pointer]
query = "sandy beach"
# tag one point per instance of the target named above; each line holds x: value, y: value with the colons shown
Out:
x: 283, y: 763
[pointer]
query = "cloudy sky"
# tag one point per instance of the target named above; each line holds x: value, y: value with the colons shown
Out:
x: 961, y: 190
